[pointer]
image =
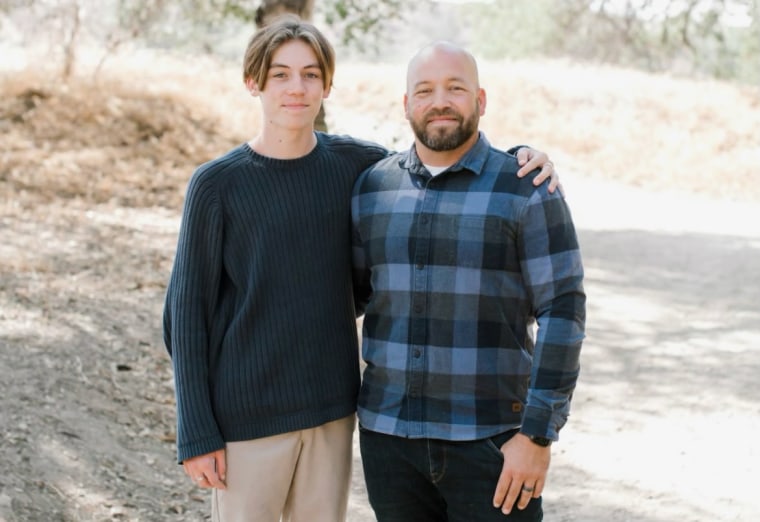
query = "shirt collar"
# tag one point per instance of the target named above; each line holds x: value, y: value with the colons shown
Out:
x: 473, y: 160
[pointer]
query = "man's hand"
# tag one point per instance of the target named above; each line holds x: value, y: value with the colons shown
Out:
x: 523, y: 475
x: 531, y: 159
x: 209, y: 470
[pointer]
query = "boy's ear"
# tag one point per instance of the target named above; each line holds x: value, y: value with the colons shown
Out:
x: 326, y: 93
x: 253, y: 88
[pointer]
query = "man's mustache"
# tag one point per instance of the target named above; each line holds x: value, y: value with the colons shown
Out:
x: 443, y: 112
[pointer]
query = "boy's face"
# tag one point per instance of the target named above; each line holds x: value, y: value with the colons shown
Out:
x: 294, y: 87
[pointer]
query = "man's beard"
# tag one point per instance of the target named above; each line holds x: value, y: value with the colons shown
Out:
x: 443, y: 139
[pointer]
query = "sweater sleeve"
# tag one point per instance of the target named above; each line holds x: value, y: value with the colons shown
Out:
x: 551, y: 265
x: 190, y: 302
x: 366, y: 153
x: 359, y: 269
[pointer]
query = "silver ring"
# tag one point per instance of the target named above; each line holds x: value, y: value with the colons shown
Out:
x: 549, y: 163
x: 527, y: 490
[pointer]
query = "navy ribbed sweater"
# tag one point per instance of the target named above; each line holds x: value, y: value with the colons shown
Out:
x: 259, y: 317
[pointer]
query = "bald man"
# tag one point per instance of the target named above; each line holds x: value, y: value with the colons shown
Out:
x: 456, y: 261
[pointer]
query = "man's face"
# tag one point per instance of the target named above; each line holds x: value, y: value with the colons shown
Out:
x: 443, y: 100
x: 294, y: 89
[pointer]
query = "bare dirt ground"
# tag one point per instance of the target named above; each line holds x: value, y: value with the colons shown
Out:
x: 91, y: 182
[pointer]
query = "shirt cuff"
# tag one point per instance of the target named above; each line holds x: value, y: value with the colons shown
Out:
x: 545, y: 414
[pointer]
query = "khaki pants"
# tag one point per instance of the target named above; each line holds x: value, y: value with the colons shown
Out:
x: 302, y: 476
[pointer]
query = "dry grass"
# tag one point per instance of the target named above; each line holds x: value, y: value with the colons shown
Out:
x: 104, y: 143
x: 134, y: 137
x: 651, y: 131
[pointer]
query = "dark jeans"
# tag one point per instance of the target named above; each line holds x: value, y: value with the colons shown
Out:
x: 428, y: 480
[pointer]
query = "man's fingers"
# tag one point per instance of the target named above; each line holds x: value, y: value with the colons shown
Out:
x: 553, y: 181
x: 547, y: 169
x: 501, y: 491
x: 526, y: 493
x: 507, y: 491
x: 532, y: 163
x: 518, y: 494
x: 512, y: 495
x: 523, y: 155
x: 529, y: 160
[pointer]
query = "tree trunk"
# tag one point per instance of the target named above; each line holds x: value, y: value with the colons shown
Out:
x: 271, y: 9
x: 70, y: 43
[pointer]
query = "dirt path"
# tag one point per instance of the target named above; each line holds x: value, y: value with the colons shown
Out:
x: 667, y: 405
x: 663, y: 418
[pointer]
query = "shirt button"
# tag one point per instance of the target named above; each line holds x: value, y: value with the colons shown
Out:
x: 416, y: 354
x: 420, y: 266
x: 424, y: 219
x: 418, y: 308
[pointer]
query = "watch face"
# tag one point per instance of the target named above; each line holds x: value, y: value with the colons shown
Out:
x: 541, y: 441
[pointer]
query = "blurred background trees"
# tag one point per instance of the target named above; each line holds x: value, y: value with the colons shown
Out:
x: 706, y: 38
x: 714, y: 38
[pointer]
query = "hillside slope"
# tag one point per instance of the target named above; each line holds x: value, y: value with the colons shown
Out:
x: 116, y: 139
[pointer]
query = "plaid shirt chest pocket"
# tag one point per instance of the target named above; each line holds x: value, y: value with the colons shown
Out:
x: 470, y: 241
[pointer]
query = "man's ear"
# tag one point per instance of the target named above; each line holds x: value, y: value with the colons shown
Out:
x: 406, y: 106
x: 482, y: 100
x: 253, y: 88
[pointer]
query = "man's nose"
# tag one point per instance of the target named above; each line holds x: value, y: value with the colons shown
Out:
x: 441, y: 98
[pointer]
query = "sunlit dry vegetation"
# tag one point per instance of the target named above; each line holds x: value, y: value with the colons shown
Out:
x: 134, y: 135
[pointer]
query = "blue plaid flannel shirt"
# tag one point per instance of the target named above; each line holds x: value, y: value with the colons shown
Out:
x: 472, y: 288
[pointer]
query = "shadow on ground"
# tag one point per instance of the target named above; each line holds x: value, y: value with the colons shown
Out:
x: 669, y: 364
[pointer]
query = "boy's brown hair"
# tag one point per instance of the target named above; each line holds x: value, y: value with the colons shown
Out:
x: 264, y: 43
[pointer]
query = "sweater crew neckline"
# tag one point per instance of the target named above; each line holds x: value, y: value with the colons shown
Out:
x: 289, y: 163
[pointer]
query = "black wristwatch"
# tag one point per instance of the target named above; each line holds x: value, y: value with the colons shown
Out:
x: 541, y: 441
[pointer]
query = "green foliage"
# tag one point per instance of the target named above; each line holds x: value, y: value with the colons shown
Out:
x: 240, y: 10
x: 188, y: 25
x: 716, y: 38
x: 360, y: 22
x: 511, y: 29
